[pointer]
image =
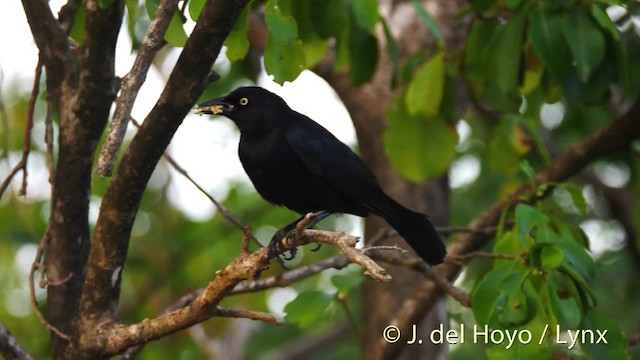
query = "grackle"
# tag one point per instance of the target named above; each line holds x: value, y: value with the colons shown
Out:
x: 296, y: 163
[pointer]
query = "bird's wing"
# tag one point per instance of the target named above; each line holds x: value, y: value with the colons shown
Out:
x: 328, y: 157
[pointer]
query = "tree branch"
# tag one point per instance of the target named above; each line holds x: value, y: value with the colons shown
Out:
x: 120, y: 204
x: 10, y: 348
x: 84, y: 101
x: 111, y: 338
x: 617, y: 136
x: 26, y: 145
x: 131, y: 83
x: 52, y: 42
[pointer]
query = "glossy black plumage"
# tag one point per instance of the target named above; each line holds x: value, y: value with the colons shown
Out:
x: 294, y: 162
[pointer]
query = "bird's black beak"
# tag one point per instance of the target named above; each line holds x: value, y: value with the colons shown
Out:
x: 214, y: 107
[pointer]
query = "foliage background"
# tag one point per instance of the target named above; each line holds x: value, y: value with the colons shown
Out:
x: 571, y: 88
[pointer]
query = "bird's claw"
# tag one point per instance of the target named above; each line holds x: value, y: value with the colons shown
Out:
x: 277, y: 247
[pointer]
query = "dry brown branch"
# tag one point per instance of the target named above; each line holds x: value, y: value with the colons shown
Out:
x: 114, y: 338
x: 10, y: 348
x: 346, y: 243
x: 151, y: 43
x: 248, y: 314
x: 288, y: 278
x: 26, y: 145
x: 463, y: 259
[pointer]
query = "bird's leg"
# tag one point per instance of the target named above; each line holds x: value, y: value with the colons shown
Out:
x: 319, y: 217
x: 275, y: 245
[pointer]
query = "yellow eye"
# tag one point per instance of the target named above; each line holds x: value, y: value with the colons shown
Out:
x: 244, y: 101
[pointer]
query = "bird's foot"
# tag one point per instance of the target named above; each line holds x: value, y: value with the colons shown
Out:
x: 277, y: 246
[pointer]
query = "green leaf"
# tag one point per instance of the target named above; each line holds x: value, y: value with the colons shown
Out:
x: 549, y: 43
x: 283, y: 59
x: 237, y: 43
x: 418, y: 150
x: 363, y: 52
x: 487, y: 300
x: 616, y: 346
x: 329, y: 17
x: 586, y: 43
x: 79, y: 24
x: 504, y: 54
x: 425, y: 90
x: 475, y: 62
x: 527, y: 218
x: 577, y: 258
x: 307, y: 308
x: 528, y: 170
x: 519, y: 351
x: 577, y: 197
x: 366, y: 13
x: 506, y: 145
x: 175, y: 35
x: 513, y: 3
x: 482, y: 5
x: 105, y: 3
x: 551, y: 256
x: 429, y: 21
x: 282, y: 26
x: 516, y: 310
x: 563, y: 298
x: 605, y: 21
x: 347, y: 280
x: 195, y: 9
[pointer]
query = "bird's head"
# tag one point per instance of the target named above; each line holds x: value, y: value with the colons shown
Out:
x: 251, y: 108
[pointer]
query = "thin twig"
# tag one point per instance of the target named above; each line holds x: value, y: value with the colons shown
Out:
x: 132, y: 82
x: 26, y: 146
x: 286, y: 279
x: 248, y: 314
x: 419, y: 265
x: 226, y: 213
x: 463, y: 259
x: 37, y: 265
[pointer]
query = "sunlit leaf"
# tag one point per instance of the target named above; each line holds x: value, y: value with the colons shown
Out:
x: 283, y: 59
x: 425, y: 90
x: 527, y: 217
x: 366, y: 13
x: 282, y: 26
x: 195, y: 8
x: 307, y: 308
x: 418, y: 150
x: 237, y: 43
x: 175, y: 34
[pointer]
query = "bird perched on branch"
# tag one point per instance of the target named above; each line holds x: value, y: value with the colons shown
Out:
x: 296, y: 163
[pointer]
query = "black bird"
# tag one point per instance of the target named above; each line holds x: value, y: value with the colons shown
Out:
x: 294, y: 162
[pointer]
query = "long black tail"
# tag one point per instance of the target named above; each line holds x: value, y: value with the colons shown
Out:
x: 414, y: 227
